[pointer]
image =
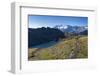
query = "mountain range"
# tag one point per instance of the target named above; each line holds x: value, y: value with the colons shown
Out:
x: 71, y: 29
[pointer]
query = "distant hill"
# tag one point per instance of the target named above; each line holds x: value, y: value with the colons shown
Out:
x: 85, y: 32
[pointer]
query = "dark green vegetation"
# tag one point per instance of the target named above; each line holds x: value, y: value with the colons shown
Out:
x: 43, y: 35
x: 66, y: 48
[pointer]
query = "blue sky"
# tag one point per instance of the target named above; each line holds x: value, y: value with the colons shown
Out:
x: 36, y: 21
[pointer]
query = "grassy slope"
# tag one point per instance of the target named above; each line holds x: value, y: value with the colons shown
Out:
x: 61, y: 50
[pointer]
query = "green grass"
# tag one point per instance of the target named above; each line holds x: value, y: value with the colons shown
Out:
x: 61, y: 50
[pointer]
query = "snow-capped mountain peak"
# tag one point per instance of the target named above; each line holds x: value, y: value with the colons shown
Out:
x: 69, y: 28
x: 61, y: 27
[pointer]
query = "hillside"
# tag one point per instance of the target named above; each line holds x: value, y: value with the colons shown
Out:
x: 42, y: 35
x: 75, y: 47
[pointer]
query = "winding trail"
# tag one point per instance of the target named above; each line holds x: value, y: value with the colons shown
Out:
x: 75, y: 51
